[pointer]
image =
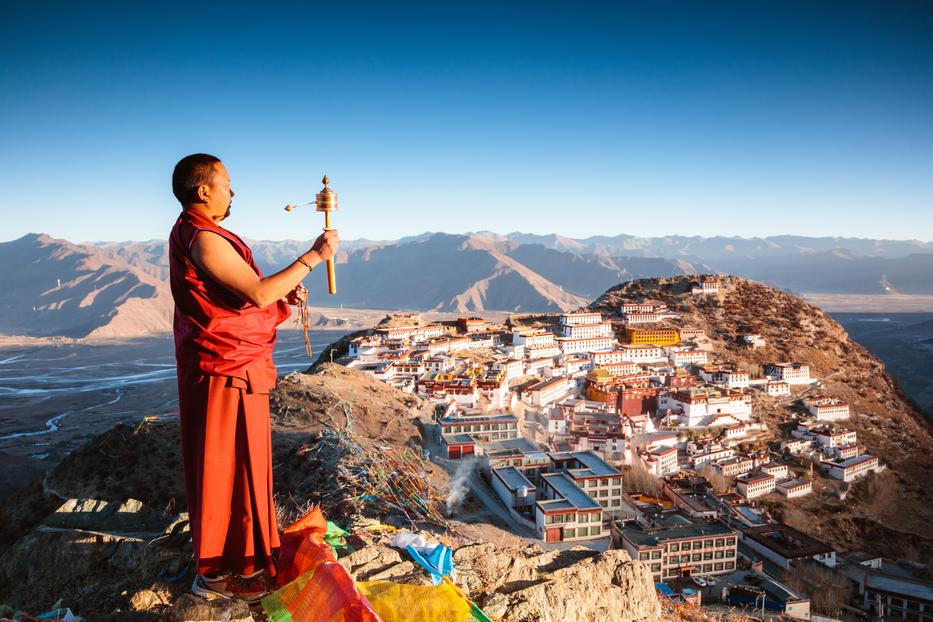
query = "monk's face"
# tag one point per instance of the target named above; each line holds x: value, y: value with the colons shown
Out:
x: 217, y: 195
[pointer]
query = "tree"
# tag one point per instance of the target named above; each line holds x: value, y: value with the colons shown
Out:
x: 721, y: 484
x: 637, y: 478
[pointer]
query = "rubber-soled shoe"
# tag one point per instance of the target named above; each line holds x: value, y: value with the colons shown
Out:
x: 250, y: 588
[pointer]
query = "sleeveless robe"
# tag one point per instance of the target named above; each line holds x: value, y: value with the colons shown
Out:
x: 223, y: 348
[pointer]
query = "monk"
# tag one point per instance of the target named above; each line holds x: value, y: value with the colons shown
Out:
x: 226, y: 313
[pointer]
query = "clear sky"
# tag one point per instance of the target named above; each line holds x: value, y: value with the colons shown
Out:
x: 578, y: 118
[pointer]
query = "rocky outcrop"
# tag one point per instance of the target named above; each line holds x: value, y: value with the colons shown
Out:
x: 105, y: 558
x: 99, y: 556
x: 531, y: 584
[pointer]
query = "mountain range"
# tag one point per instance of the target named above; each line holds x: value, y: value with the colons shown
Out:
x: 119, y: 289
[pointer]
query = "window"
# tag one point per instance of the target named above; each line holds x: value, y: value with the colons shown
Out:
x: 730, y: 542
x: 616, y: 502
x: 655, y: 567
x: 570, y: 533
x: 616, y: 492
x: 707, y: 556
x: 707, y: 567
x: 654, y: 554
x: 730, y: 565
x: 673, y: 547
x: 616, y: 481
x: 583, y: 518
x: 697, y: 557
x: 604, y: 482
x: 719, y: 542
x: 708, y: 544
x: 718, y: 555
x: 684, y: 559
x: 643, y: 556
x: 595, y: 531
x: 717, y: 566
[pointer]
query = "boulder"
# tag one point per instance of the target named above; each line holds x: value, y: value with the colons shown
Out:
x: 191, y: 608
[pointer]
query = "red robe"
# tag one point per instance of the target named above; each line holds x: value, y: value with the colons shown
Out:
x: 223, y: 347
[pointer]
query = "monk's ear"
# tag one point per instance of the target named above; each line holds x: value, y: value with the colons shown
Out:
x: 202, y: 193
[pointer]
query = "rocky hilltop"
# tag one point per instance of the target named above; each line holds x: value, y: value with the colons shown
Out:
x: 890, y: 514
x: 106, y: 530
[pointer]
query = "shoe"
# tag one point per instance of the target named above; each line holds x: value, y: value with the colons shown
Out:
x: 251, y: 588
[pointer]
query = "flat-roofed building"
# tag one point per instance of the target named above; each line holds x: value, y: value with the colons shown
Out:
x: 661, y: 461
x: 565, y: 512
x: 826, y: 408
x: 853, y: 468
x: 754, y: 484
x: 598, y: 478
x: 783, y: 544
x: 483, y: 427
x: 729, y: 376
x: 892, y: 590
x: 844, y: 452
x: 514, y: 489
x: 680, y: 550
x: 796, y: 446
x: 777, y: 388
x: 638, y: 307
x: 734, y: 466
x: 576, y: 345
x: 642, y: 353
x: 791, y: 373
x: 652, y: 336
x: 459, y: 446
x: 779, y: 471
x: 547, y: 391
x: 792, y: 488
x: 581, y: 318
x: 532, y: 338
x: 705, y: 286
x: 692, y: 333
x: 692, y: 496
x: 411, y: 333
x: 471, y: 325
x: 585, y: 329
x: 687, y: 357
x: 641, y: 317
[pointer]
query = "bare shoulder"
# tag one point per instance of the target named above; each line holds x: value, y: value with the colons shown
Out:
x: 212, y: 251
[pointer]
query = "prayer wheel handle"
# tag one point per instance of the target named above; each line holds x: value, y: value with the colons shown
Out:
x: 326, y: 201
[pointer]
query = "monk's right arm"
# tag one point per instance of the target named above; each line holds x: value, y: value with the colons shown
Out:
x: 216, y: 256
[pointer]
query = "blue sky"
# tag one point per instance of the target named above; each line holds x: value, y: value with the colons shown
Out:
x: 579, y: 118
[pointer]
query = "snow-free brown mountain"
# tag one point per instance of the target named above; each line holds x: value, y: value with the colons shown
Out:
x: 52, y: 287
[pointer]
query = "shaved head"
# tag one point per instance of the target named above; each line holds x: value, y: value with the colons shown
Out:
x: 191, y: 172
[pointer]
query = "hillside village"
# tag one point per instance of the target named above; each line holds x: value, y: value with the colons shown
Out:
x: 628, y: 425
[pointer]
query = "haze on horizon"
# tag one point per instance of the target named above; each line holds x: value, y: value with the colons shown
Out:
x: 721, y: 119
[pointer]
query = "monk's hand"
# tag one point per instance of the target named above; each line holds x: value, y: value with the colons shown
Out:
x: 326, y: 244
x: 297, y: 295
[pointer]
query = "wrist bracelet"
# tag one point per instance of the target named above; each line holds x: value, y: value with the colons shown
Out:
x: 305, y: 264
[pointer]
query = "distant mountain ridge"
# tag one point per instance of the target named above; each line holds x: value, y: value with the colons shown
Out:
x: 466, y: 273
x: 120, y: 289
